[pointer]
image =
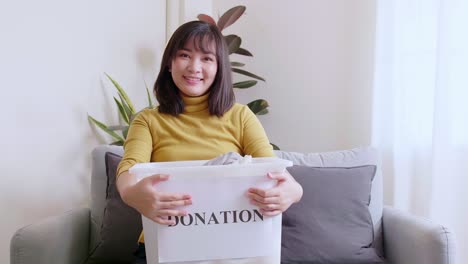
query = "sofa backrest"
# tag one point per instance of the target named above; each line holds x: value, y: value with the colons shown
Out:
x: 343, y: 158
x: 350, y: 158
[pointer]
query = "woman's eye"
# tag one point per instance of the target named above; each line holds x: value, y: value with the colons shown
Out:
x: 209, y: 59
x: 184, y: 55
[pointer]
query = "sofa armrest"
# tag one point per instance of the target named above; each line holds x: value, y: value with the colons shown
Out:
x: 60, y: 239
x: 414, y: 240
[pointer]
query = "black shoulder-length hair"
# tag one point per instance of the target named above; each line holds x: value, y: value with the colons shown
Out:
x: 204, y: 35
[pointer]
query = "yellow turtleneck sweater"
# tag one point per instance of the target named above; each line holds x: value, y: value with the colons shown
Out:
x: 193, y: 135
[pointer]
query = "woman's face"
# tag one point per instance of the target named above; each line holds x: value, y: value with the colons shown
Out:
x: 193, y: 71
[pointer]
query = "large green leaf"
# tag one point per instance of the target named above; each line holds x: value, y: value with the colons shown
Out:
x: 244, y: 52
x: 206, y: 18
x: 244, y: 84
x: 122, y: 93
x: 233, y: 43
x: 122, y: 112
x: 105, y: 128
x: 125, y: 132
x: 126, y: 107
x: 237, y: 64
x: 117, y: 128
x: 150, y: 102
x: 230, y: 17
x: 118, y: 143
x: 274, y: 146
x: 258, y: 106
x: 246, y: 73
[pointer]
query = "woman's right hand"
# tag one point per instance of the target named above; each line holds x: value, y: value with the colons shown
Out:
x: 144, y: 197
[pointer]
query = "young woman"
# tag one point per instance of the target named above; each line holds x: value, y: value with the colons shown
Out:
x: 197, y: 119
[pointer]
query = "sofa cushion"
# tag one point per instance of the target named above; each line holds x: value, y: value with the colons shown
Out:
x: 331, y: 223
x: 121, y: 224
x: 98, y: 190
x: 350, y: 158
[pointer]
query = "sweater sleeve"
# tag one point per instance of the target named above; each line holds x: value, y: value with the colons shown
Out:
x: 139, y: 144
x: 255, y: 141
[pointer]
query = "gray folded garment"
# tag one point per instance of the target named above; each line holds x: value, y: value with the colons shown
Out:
x: 229, y: 158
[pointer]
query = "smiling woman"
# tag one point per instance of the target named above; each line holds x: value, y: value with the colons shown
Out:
x: 194, y: 70
x: 197, y: 119
x: 195, y: 61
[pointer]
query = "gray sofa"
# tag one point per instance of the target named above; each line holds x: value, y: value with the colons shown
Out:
x: 400, y: 237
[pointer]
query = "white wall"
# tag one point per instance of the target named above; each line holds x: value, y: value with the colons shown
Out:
x: 317, y: 58
x: 53, y: 55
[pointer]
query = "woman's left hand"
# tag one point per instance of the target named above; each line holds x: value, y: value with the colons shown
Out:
x: 276, y: 200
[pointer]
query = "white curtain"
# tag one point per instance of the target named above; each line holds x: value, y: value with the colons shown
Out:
x: 421, y: 109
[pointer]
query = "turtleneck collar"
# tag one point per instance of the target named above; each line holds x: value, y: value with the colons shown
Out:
x: 195, y: 104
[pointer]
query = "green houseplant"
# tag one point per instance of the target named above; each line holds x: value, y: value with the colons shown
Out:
x: 125, y: 106
x: 126, y: 113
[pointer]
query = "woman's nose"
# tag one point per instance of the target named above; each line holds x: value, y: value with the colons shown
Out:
x: 194, y: 66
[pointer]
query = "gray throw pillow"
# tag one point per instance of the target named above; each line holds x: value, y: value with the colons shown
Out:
x: 121, y: 224
x: 331, y: 223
